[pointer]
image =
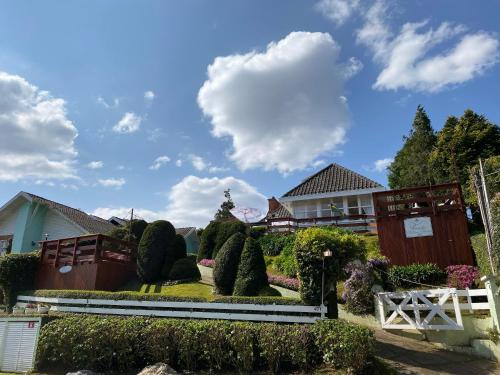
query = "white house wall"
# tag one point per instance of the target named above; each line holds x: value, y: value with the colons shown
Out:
x: 57, y: 226
x: 8, y: 224
x: 293, y: 205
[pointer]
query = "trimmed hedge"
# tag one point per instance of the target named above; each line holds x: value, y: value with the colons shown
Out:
x: 286, y: 263
x: 175, y: 251
x: 125, y: 343
x: 273, y: 244
x: 207, y: 240
x: 224, y: 231
x: 185, y: 268
x: 155, y: 242
x: 226, y: 264
x: 252, y: 276
x: 414, y: 274
x: 17, y: 272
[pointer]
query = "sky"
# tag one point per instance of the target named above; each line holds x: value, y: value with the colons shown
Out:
x: 162, y: 105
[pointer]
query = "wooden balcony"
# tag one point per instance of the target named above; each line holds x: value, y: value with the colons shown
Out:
x: 356, y: 223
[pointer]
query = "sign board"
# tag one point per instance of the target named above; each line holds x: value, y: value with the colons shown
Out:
x: 418, y: 227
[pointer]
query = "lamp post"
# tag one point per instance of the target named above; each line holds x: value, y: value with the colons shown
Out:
x: 326, y: 253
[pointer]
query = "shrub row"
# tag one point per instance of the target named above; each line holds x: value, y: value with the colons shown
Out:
x: 17, y: 272
x: 414, y: 274
x: 274, y: 244
x: 122, y: 344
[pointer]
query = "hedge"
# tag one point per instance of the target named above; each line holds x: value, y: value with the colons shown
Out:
x: 224, y: 231
x: 273, y: 244
x: 207, y: 240
x: 415, y: 274
x: 226, y: 264
x: 126, y: 343
x: 285, y: 262
x: 176, y: 250
x: 17, y: 272
x: 185, y: 268
x: 251, y: 276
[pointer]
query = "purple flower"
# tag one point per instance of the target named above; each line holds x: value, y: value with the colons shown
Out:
x: 462, y: 276
x: 207, y: 262
x: 285, y: 282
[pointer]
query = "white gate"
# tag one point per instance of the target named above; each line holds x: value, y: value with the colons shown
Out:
x: 436, y: 309
x: 18, y: 340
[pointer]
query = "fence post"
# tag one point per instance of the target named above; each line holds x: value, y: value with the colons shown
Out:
x: 380, y: 311
x: 493, y: 299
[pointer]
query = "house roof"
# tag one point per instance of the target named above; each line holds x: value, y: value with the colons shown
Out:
x: 184, y: 231
x: 90, y: 223
x: 333, y: 178
x: 279, y: 213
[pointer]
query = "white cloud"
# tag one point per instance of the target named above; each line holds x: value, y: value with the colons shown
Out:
x: 407, y: 58
x: 155, y: 134
x: 149, y: 96
x: 337, y: 10
x: 124, y: 212
x: 37, y: 139
x: 112, y: 182
x: 105, y: 104
x: 95, y: 164
x: 159, y: 161
x: 282, y: 107
x: 178, y: 162
x: 197, y: 161
x: 382, y: 164
x: 215, y: 169
x: 129, y: 123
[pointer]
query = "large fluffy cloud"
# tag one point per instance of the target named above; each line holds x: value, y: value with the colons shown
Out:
x: 194, y: 200
x: 282, y: 107
x: 407, y: 58
x: 37, y: 138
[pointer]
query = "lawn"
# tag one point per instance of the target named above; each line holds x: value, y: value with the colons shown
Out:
x: 194, y: 289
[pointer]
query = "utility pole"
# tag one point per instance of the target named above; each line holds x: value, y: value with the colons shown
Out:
x: 130, y: 224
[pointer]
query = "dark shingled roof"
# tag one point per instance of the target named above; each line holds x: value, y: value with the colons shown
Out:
x: 90, y: 223
x: 280, y: 213
x: 331, y: 179
x: 183, y: 231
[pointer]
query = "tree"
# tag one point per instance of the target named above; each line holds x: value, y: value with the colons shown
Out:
x: 411, y: 164
x: 226, y: 264
x: 251, y: 276
x: 224, y: 212
x: 208, y: 240
x: 460, y: 144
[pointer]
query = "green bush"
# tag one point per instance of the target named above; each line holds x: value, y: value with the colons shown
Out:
x: 285, y: 262
x: 343, y: 344
x: 120, y: 233
x: 225, y: 230
x: 309, y: 247
x: 132, y: 231
x: 414, y: 274
x: 226, y: 264
x: 274, y: 244
x: 17, y: 272
x: 123, y: 344
x: 372, y: 246
x: 185, y: 269
x: 257, y: 232
x: 176, y: 250
x: 207, y: 241
x: 155, y: 242
x: 251, y: 276
x: 478, y: 241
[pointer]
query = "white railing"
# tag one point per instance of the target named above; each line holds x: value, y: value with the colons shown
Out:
x: 195, y: 310
x: 435, y: 309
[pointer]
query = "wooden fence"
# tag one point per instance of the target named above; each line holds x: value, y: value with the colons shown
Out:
x: 194, y: 310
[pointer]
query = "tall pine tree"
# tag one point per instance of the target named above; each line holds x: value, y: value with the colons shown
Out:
x: 224, y: 212
x: 411, y: 165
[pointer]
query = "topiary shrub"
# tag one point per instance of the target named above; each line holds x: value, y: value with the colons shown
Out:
x: 17, y: 272
x: 251, y: 276
x: 207, y: 241
x: 185, y: 269
x: 414, y: 275
x: 176, y: 250
x: 309, y: 246
x: 154, y: 245
x: 226, y: 264
x: 225, y: 230
x: 137, y: 228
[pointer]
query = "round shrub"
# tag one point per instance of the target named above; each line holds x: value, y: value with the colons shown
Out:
x: 251, y: 277
x: 184, y: 269
x: 176, y: 250
x: 225, y: 230
x: 226, y: 264
x: 17, y: 272
x: 207, y: 241
x: 137, y: 228
x: 155, y: 241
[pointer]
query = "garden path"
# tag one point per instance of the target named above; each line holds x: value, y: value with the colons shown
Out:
x: 412, y: 357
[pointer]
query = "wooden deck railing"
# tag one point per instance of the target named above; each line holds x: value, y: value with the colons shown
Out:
x: 346, y: 221
x: 87, y: 249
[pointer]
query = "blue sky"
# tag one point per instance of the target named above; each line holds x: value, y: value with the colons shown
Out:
x: 94, y: 92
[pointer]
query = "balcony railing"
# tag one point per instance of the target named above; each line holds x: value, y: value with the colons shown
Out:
x: 358, y: 223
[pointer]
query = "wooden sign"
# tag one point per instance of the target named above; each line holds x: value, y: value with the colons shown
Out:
x: 418, y: 227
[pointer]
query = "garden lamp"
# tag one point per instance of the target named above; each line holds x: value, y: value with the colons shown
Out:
x: 326, y: 253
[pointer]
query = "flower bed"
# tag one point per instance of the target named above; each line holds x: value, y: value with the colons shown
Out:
x: 207, y: 263
x: 462, y: 276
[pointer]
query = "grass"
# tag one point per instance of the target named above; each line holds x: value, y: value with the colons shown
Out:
x: 194, y: 289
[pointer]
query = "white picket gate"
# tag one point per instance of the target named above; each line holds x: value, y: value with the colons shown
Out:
x: 435, y: 309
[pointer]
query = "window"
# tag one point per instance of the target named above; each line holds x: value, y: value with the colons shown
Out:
x: 366, y: 204
x: 352, y: 205
x: 305, y: 210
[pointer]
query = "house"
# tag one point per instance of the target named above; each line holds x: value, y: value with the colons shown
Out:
x: 333, y: 196
x: 191, y: 238
x: 27, y: 219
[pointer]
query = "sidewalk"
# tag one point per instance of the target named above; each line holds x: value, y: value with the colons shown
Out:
x: 411, y: 357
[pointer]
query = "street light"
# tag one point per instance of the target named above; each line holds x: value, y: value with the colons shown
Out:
x: 326, y: 253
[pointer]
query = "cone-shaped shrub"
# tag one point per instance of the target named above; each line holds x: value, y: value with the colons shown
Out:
x: 251, y: 276
x: 137, y: 227
x: 155, y: 241
x: 176, y: 250
x: 207, y: 241
x: 185, y: 268
x: 225, y: 230
x: 226, y: 264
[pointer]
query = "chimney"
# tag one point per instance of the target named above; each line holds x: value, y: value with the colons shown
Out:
x: 273, y: 204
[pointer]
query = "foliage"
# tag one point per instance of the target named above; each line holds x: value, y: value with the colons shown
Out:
x: 414, y: 274
x: 461, y: 276
x: 120, y: 233
x: 285, y: 262
x: 224, y: 212
x: 257, y: 232
x: 225, y: 230
x: 251, y: 276
x: 343, y: 344
x: 185, y: 269
x: 122, y: 344
x: 155, y: 242
x: 17, y: 272
x: 372, y: 246
x: 207, y: 240
x: 309, y: 247
x: 273, y: 244
x: 490, y: 165
x: 380, y: 266
x: 137, y: 227
x: 358, y: 296
x: 226, y: 264
x: 495, y: 220
x: 411, y: 164
x: 132, y: 231
x: 207, y: 263
x: 175, y: 251
x: 283, y: 281
x: 478, y: 241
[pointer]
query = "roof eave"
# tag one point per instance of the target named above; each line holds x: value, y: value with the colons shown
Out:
x: 332, y: 194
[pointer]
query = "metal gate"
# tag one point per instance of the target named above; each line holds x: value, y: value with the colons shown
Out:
x: 18, y: 341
